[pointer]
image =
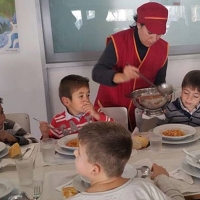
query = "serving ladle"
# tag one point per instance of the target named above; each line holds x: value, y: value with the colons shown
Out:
x: 145, y: 171
x: 164, y: 89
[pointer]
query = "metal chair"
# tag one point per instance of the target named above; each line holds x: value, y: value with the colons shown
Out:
x: 119, y: 114
x: 21, y: 118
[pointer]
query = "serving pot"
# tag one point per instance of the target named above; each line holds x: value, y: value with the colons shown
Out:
x: 150, y: 100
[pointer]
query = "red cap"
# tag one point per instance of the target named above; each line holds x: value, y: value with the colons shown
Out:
x: 154, y: 16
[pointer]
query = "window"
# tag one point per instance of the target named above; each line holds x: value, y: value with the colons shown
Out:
x: 76, y: 31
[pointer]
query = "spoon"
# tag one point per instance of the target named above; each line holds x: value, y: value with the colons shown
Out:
x: 159, y: 89
x: 145, y: 171
x: 48, y: 125
x: 20, y: 157
x: 189, y: 154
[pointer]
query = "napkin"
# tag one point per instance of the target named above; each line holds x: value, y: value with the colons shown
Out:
x: 29, y: 152
x: 162, y: 116
x: 68, y: 182
x: 181, y: 175
x: 7, y: 162
x: 143, y: 162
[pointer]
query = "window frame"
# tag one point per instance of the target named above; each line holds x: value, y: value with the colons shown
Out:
x: 87, y: 58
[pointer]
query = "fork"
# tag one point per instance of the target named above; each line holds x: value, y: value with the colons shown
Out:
x: 37, y: 192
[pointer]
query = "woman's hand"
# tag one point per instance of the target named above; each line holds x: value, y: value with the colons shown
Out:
x: 158, y: 170
x: 129, y: 73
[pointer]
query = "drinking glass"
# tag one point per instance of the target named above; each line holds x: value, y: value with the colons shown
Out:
x: 48, y: 149
x: 155, y: 140
x: 24, y: 170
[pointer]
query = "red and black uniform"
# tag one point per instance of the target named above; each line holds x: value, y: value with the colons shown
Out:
x: 127, y: 52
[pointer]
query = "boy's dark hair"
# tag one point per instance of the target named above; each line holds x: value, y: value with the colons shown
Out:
x: 71, y: 83
x: 192, y: 80
x: 108, y: 144
x: 1, y: 100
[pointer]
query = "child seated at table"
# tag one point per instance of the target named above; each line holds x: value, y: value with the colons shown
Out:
x: 186, y: 108
x: 11, y: 132
x: 74, y: 94
x: 104, y: 149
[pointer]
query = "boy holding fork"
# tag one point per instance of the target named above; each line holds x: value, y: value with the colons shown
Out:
x: 74, y: 95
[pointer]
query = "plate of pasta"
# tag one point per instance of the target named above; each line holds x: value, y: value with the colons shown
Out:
x: 69, y: 142
x: 175, y: 131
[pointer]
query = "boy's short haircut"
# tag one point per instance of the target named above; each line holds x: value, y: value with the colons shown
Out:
x: 192, y: 80
x: 1, y: 100
x: 70, y: 84
x: 108, y: 144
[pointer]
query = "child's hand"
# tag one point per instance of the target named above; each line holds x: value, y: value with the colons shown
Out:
x: 44, y: 129
x: 7, y: 137
x: 158, y: 170
x: 89, y: 108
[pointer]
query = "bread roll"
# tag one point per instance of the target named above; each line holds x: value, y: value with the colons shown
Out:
x: 68, y: 192
x: 15, y: 150
x: 140, y: 142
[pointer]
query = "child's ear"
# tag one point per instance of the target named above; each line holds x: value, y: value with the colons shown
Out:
x: 96, y: 169
x: 65, y: 101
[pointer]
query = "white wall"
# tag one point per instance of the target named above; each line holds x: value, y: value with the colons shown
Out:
x: 21, y: 78
x: 178, y: 66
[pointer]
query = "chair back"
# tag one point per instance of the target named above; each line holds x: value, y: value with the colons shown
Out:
x: 21, y: 118
x: 119, y: 114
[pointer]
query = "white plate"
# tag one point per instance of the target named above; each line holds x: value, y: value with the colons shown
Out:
x: 188, y: 169
x: 193, y: 138
x: 62, y: 141
x: 63, y: 151
x: 2, y: 146
x: 191, y: 161
x: 188, y: 130
x: 82, y: 183
x: 4, y: 152
x: 6, y: 187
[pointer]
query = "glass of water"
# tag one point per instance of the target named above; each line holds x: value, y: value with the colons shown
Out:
x: 48, y: 149
x: 155, y: 140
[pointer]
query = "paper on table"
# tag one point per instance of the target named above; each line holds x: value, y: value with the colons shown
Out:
x: 143, y: 162
x: 181, y: 175
x: 29, y: 152
x: 68, y: 182
x: 7, y: 162
x: 53, y: 180
x: 161, y: 117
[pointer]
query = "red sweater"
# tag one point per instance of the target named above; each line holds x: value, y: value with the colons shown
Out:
x: 70, y: 124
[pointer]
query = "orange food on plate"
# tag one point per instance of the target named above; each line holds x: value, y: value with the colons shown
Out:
x: 68, y: 192
x: 173, y: 133
x: 72, y: 143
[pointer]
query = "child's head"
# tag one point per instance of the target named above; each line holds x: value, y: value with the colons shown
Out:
x: 191, y: 89
x: 103, y: 146
x: 73, y: 91
x: 2, y: 115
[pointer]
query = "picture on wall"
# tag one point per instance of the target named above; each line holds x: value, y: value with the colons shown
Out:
x: 9, y: 41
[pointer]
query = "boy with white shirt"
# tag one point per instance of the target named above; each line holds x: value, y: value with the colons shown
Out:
x: 104, y: 149
x: 186, y: 108
x: 74, y: 95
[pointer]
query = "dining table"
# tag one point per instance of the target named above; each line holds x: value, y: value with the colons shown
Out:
x: 51, y: 176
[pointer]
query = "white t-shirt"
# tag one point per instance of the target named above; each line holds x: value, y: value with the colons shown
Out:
x: 131, y: 190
